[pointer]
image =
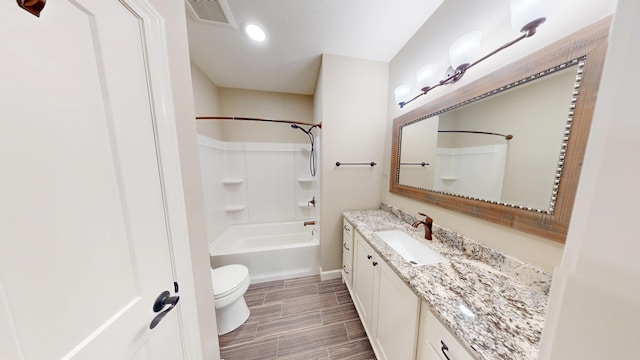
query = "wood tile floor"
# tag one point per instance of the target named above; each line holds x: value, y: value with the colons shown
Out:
x: 298, y: 319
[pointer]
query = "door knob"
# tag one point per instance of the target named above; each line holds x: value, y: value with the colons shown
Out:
x: 163, y: 300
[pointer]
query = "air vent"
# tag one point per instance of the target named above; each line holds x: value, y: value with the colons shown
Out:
x: 211, y: 11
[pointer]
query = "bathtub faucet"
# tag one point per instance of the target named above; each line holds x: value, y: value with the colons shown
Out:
x: 309, y: 223
x: 312, y: 202
x: 428, y: 223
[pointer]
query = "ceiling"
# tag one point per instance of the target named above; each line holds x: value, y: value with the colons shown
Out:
x: 298, y: 32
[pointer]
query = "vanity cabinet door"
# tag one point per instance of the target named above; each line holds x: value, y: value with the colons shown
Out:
x: 364, y: 281
x: 397, y: 318
x: 427, y: 352
x: 436, y: 340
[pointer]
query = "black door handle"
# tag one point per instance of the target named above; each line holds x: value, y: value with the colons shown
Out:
x: 163, y: 300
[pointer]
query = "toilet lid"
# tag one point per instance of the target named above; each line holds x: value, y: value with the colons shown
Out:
x: 228, y: 278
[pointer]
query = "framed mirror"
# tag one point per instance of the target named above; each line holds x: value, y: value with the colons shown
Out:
x: 507, y: 147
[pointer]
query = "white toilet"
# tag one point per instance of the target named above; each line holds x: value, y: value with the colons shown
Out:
x: 230, y: 282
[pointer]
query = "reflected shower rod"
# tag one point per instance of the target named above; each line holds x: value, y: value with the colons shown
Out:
x: 318, y: 125
x: 507, y: 137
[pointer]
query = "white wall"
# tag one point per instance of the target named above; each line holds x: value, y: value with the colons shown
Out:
x: 197, y: 291
x: 594, y: 308
x: 351, y: 103
x: 430, y: 44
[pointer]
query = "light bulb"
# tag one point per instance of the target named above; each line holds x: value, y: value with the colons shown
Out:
x: 465, y: 49
x: 523, y: 12
x: 402, y: 93
x: 427, y: 75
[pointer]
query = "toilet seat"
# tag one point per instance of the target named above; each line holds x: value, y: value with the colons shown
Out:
x: 227, y: 279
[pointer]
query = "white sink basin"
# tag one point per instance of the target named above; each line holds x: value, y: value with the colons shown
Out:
x: 413, y: 250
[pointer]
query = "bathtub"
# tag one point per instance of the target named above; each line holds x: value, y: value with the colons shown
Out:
x: 271, y: 251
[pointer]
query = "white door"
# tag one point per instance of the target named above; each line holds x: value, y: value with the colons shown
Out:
x: 84, y: 245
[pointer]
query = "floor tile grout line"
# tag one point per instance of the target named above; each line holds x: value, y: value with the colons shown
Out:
x: 289, y: 332
x: 275, y: 338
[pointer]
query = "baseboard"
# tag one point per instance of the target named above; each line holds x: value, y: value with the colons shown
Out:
x: 331, y: 274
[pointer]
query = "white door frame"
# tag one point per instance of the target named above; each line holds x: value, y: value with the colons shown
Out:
x: 166, y: 135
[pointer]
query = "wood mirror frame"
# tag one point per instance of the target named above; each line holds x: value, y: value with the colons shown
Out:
x: 588, y: 44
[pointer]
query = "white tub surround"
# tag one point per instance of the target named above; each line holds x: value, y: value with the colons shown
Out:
x: 271, y: 251
x: 247, y: 183
x: 494, y: 304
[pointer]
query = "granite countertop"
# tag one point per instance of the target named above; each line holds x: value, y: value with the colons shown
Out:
x: 494, y: 304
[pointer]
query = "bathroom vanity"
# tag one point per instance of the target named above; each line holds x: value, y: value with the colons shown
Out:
x: 473, y: 303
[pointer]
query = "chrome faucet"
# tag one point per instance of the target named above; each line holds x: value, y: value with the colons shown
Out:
x: 312, y: 202
x: 428, y: 223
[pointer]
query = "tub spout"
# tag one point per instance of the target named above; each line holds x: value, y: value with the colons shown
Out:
x: 428, y: 223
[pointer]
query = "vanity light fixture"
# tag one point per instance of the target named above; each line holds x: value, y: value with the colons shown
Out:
x: 526, y: 16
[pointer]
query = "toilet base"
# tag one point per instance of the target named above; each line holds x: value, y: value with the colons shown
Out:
x: 232, y: 316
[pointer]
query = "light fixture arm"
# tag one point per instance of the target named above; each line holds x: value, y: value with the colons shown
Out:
x: 454, y: 75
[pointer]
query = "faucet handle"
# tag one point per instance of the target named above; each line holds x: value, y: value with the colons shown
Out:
x: 428, y: 223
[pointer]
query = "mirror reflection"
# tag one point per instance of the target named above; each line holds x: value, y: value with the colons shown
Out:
x: 466, y: 150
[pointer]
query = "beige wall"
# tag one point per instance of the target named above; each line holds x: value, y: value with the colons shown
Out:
x: 594, y: 307
x: 430, y: 44
x: 211, y: 100
x: 536, y: 114
x: 269, y: 105
x: 351, y: 97
x: 419, y: 141
x: 201, y: 299
x: 206, y: 100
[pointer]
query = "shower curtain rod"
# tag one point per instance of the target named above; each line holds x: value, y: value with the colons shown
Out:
x: 319, y: 125
x: 507, y: 137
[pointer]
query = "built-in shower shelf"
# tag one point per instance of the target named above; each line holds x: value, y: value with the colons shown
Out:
x: 235, y: 208
x: 304, y: 205
x: 232, y: 181
x: 306, y: 180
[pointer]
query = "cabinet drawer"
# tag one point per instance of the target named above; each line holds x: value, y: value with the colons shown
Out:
x: 347, y: 266
x: 347, y: 228
x: 347, y: 242
x: 435, y: 334
x: 347, y: 270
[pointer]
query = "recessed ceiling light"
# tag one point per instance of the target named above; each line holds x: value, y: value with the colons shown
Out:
x: 255, y: 32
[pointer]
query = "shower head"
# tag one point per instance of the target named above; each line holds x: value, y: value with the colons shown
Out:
x: 295, y: 126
